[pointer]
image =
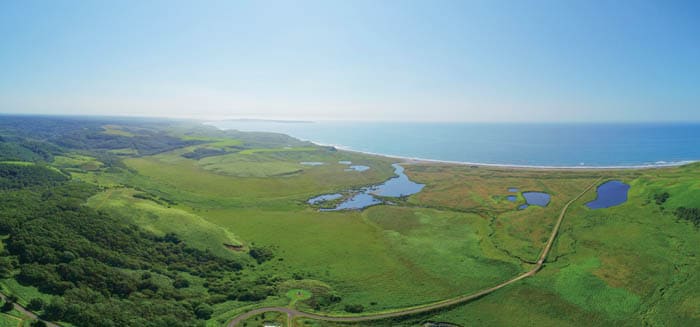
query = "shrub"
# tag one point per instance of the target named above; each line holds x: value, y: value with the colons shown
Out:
x: 8, y: 306
x: 354, y: 308
x: 203, y: 311
x: 261, y: 254
x: 180, y: 282
x: 35, y: 304
x: 38, y: 323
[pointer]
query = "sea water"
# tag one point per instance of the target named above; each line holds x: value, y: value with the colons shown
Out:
x: 520, y: 144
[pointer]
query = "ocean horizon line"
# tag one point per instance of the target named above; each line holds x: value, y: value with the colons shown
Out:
x: 658, y: 164
x: 418, y: 159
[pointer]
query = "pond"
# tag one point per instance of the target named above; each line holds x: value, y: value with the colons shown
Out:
x: 311, y: 163
x: 345, y: 162
x: 512, y: 189
x: 610, y: 194
x: 512, y: 198
x: 397, y: 186
x: 324, y: 198
x: 357, y: 201
x: 357, y: 168
x: 536, y: 198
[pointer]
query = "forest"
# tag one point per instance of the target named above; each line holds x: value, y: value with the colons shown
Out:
x: 106, y: 273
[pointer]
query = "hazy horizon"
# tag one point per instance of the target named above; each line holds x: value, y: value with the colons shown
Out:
x: 531, y: 61
x: 311, y: 120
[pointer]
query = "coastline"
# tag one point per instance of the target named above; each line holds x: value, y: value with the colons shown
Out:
x: 419, y: 160
x: 416, y: 160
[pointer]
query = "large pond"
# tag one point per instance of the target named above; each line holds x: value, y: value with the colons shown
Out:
x: 610, y: 194
x: 535, y: 198
x: 397, y: 186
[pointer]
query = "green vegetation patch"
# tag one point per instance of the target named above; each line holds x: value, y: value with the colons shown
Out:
x: 285, y: 149
x: 161, y: 219
x: 9, y: 321
x: 116, y: 130
x: 297, y: 294
x: 15, y: 176
x: 78, y: 161
x: 24, y: 293
x: 578, y: 285
x: 241, y: 165
x: 448, y: 250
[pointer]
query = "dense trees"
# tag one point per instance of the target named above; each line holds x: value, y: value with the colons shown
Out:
x: 14, y: 176
x: 106, y: 272
x: 35, y: 304
x: 6, y: 267
x: 83, y: 134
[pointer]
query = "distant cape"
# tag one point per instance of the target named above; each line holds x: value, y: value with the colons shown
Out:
x: 253, y: 120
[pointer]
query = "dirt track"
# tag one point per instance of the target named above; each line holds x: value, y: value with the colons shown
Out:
x: 293, y: 313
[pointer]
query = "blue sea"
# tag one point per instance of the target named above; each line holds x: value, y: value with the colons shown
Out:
x: 518, y: 144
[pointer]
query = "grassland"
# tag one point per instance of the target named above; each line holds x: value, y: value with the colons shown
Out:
x: 9, y: 321
x: 634, y: 264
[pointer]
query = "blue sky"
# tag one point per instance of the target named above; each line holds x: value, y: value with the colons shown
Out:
x: 374, y: 60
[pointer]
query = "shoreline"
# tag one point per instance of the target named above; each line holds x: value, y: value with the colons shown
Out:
x: 418, y: 160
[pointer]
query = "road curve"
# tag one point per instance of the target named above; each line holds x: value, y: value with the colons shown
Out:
x: 28, y: 313
x: 293, y: 313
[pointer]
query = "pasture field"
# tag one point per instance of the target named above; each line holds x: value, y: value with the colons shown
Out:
x: 630, y: 265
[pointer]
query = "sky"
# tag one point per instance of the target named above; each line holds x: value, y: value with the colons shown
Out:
x: 547, y: 61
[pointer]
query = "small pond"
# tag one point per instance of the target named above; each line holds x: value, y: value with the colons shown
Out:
x: 522, y: 207
x: 357, y: 168
x: 311, y: 163
x: 512, y: 189
x: 610, y: 194
x: 512, y: 198
x: 345, y: 162
x: 397, y: 186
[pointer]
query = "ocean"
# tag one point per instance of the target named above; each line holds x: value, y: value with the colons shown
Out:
x: 512, y: 144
